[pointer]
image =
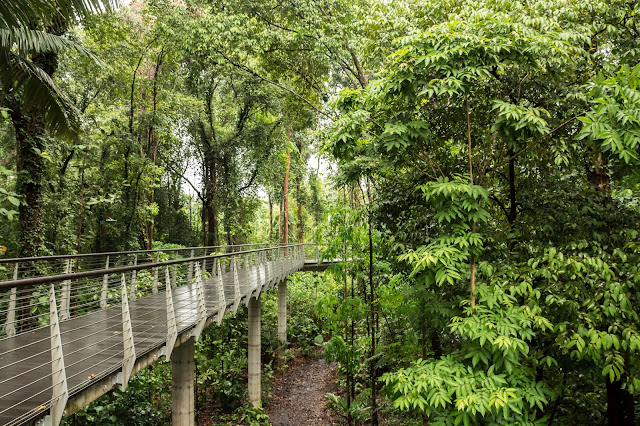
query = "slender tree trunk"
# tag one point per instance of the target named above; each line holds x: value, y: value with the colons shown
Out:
x: 374, y: 331
x: 472, y: 258
x: 347, y: 338
x: 513, y: 209
x: 270, y: 218
x: 300, y: 223
x: 81, y: 207
x: 620, y: 405
x: 280, y: 222
x: 210, y: 211
x: 152, y: 146
x: 286, y: 193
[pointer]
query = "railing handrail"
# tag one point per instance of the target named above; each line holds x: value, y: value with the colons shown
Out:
x: 114, y: 253
x: 46, y: 279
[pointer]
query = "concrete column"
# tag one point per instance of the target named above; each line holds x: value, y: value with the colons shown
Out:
x: 182, y: 384
x: 282, y: 312
x: 254, y: 351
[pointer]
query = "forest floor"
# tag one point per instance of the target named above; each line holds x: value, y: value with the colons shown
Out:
x: 296, y: 397
x: 297, y: 393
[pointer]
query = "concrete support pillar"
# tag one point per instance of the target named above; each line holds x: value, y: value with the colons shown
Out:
x: 254, y: 351
x: 282, y: 312
x: 182, y: 384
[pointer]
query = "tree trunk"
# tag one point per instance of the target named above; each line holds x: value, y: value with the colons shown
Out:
x: 374, y: 331
x: 300, y: 224
x: 270, y: 218
x: 599, y: 176
x: 279, y: 239
x: 513, y: 209
x: 30, y: 129
x: 620, y: 407
x: 30, y: 170
x: 285, y: 225
x: 81, y: 207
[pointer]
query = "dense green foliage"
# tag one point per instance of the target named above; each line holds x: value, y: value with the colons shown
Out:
x: 484, y: 204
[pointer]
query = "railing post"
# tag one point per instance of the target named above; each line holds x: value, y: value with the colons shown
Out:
x: 236, y: 286
x: 66, y: 294
x: 202, y: 309
x: 254, y: 351
x: 174, y: 277
x: 134, y: 275
x: 60, y: 393
x: 281, y: 268
x: 247, y: 282
x: 129, y: 357
x: 105, y: 287
x: 10, y: 325
x: 259, y: 275
x: 190, y: 272
x: 154, y: 286
x: 204, y: 263
x: 222, y: 302
x: 172, y: 330
x: 269, y: 269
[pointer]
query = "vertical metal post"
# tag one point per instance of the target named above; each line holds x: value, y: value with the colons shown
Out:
x: 254, y: 352
x: 222, y: 302
x: 259, y: 275
x: 202, y: 309
x: 10, y: 325
x: 247, y: 279
x: 66, y: 294
x: 267, y: 269
x: 172, y: 330
x: 182, y: 385
x: 105, y: 287
x: 154, y: 286
x: 236, y: 286
x: 129, y: 357
x: 60, y: 393
x: 204, y: 263
x: 174, y: 277
x: 134, y: 275
x: 190, y: 272
x: 281, y: 267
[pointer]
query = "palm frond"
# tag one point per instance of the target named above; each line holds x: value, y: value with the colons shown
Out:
x: 16, y: 14
x: 39, y: 91
x: 34, y: 41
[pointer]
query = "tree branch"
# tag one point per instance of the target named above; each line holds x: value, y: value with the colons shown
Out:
x: 265, y: 79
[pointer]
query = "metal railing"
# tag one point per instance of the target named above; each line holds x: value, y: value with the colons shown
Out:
x: 69, y: 321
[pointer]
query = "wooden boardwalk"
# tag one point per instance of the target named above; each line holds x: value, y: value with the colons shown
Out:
x: 93, y: 343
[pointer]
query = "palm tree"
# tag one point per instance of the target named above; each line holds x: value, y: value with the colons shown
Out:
x: 31, y: 36
x: 31, y: 30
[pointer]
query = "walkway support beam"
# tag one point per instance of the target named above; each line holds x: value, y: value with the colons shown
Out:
x: 182, y: 384
x: 254, y: 351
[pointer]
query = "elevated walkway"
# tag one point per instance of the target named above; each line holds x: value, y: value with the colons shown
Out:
x: 69, y: 338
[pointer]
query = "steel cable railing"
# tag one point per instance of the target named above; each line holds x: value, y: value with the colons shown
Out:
x: 67, y: 322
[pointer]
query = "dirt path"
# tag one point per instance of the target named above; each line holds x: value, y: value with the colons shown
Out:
x: 297, y: 395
